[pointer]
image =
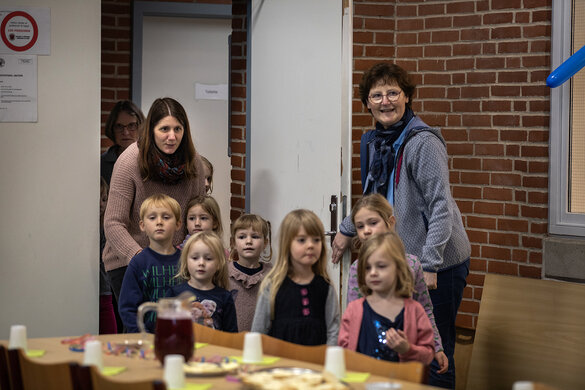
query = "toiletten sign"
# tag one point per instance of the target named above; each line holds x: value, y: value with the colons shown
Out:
x: 25, y: 31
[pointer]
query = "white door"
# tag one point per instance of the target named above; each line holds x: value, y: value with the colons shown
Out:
x: 296, y: 114
x: 177, y: 54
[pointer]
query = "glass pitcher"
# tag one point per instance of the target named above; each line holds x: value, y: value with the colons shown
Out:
x: 174, y: 330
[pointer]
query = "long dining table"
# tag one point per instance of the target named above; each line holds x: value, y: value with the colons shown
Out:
x: 136, y: 366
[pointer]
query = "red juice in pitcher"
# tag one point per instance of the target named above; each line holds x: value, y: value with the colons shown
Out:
x: 174, y: 336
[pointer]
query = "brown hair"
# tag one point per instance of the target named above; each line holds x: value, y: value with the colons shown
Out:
x: 385, y: 73
x: 257, y: 224
x: 160, y: 109
x: 393, y: 247
x: 210, y: 206
x: 122, y: 106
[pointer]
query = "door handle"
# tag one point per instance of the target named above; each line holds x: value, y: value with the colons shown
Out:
x: 333, y: 210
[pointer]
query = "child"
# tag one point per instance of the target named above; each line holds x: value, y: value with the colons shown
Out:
x: 297, y: 302
x: 250, y: 235
x: 386, y: 324
x: 107, y: 317
x: 203, y: 214
x: 150, y: 272
x: 204, y: 269
x: 371, y: 215
x: 208, y: 174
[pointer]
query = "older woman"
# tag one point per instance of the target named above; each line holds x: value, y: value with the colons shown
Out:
x: 122, y: 128
x: 163, y: 160
x: 406, y: 161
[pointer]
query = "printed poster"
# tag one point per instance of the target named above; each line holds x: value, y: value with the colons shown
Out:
x: 18, y: 88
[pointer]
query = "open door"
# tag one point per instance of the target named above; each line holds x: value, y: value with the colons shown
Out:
x: 299, y: 113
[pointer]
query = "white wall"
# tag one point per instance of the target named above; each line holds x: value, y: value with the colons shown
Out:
x: 49, y: 172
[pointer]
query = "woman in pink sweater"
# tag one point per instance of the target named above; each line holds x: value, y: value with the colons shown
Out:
x: 163, y: 160
x: 386, y: 324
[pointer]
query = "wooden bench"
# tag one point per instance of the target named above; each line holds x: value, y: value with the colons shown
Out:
x: 529, y: 330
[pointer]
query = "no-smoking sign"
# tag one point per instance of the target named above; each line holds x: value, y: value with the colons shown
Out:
x: 25, y: 31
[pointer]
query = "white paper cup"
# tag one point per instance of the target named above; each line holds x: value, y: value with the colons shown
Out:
x: 335, y: 361
x: 252, y: 348
x: 17, y: 337
x: 174, y: 375
x: 523, y: 385
x: 92, y: 355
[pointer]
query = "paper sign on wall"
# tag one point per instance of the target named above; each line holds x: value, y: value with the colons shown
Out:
x: 25, y: 31
x: 211, y: 92
x: 18, y: 88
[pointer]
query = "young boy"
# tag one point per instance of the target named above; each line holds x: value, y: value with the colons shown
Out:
x: 150, y: 273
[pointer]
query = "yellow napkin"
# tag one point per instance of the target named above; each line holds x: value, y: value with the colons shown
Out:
x: 200, y: 345
x: 356, y: 377
x: 35, y: 352
x: 194, y: 386
x: 266, y: 360
x: 109, y: 371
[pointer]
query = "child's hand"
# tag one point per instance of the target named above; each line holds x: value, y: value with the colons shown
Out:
x: 441, y: 358
x: 397, y: 340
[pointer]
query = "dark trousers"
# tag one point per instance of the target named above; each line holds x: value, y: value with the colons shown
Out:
x: 446, y: 300
x: 116, y: 277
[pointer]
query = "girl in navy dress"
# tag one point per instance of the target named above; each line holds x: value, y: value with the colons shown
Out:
x: 297, y: 302
x: 203, y: 266
x: 387, y: 324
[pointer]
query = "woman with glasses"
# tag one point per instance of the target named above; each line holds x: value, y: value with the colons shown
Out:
x: 163, y: 161
x: 406, y: 161
x: 122, y: 128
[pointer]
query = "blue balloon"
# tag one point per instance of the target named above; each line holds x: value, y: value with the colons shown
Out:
x: 567, y: 69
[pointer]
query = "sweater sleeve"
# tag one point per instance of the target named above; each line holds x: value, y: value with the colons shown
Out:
x: 262, y: 321
x: 422, y: 296
x: 230, y: 321
x: 118, y: 210
x: 427, y: 162
x: 131, y: 297
x: 332, y: 316
x: 421, y: 349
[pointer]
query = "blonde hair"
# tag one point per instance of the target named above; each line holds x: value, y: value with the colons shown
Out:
x: 289, y: 229
x: 393, y: 248
x: 257, y: 224
x: 373, y: 202
x: 210, y: 206
x: 213, y: 242
x: 161, y: 200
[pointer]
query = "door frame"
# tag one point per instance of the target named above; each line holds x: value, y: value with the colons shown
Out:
x: 164, y: 9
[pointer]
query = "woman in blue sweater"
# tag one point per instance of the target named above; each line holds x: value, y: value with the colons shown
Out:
x: 406, y: 161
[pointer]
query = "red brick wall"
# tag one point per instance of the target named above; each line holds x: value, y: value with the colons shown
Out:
x: 481, y: 68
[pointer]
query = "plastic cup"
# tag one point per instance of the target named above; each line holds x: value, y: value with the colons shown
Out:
x: 335, y: 361
x: 523, y: 385
x: 92, y: 355
x: 17, y: 337
x: 174, y: 375
x: 252, y: 348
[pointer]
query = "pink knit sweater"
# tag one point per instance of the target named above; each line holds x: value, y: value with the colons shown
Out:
x: 127, y: 192
x: 416, y: 326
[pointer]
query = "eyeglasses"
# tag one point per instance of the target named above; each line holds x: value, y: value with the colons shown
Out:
x: 119, y: 128
x: 377, y: 98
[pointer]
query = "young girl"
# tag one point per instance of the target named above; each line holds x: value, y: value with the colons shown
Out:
x: 386, y: 324
x: 250, y: 236
x: 208, y: 174
x: 203, y: 266
x: 371, y: 215
x: 297, y: 302
x: 203, y: 215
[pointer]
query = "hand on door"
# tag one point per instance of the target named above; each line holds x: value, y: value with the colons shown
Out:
x: 340, y: 244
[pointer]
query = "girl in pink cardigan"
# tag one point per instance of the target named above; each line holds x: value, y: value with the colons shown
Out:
x: 386, y: 324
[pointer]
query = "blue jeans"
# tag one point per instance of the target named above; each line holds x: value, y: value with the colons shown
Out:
x: 446, y: 300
